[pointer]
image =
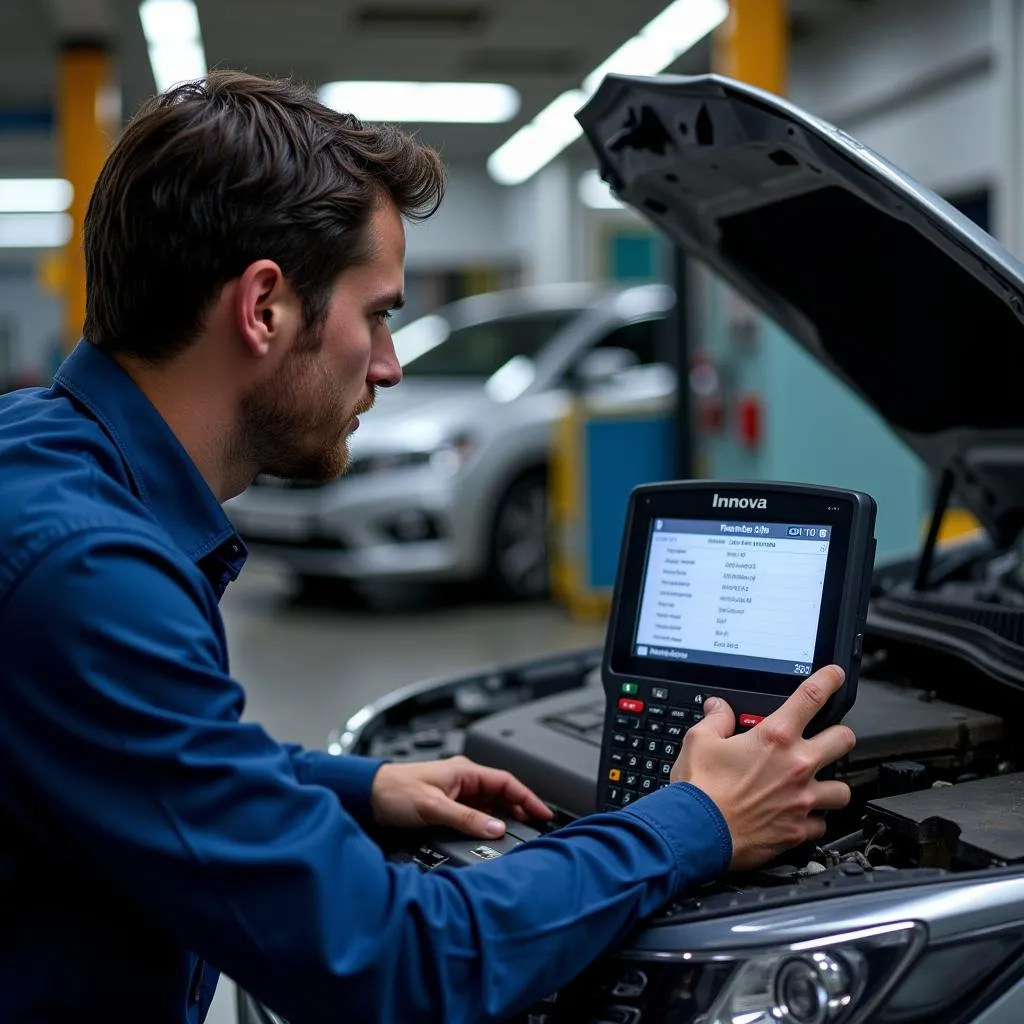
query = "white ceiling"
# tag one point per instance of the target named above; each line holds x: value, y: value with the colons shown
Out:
x: 542, y: 47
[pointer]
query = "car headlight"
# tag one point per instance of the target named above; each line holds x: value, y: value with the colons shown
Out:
x: 837, y: 979
x: 446, y: 458
x: 386, y: 461
x: 833, y: 980
x: 886, y: 974
x: 825, y: 981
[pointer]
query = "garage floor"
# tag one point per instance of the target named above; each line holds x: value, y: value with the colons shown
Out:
x: 306, y: 668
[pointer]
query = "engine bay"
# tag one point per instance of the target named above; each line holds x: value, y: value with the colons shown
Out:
x: 936, y: 776
x: 936, y: 784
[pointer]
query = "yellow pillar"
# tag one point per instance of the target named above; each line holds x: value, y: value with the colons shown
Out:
x: 752, y: 44
x: 83, y: 93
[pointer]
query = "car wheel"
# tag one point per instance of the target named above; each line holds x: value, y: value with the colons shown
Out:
x: 329, y: 591
x: 519, y: 540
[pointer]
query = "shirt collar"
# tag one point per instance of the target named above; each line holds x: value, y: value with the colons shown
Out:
x: 163, y: 474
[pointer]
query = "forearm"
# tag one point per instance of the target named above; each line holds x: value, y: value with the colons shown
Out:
x: 546, y: 911
x: 134, y: 750
x: 349, y: 777
x: 478, y: 944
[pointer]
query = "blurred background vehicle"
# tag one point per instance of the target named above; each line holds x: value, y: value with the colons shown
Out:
x: 448, y: 473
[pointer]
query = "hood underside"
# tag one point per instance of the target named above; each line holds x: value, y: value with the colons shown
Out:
x: 892, y: 289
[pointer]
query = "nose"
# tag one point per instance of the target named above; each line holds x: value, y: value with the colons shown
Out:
x: 385, y: 370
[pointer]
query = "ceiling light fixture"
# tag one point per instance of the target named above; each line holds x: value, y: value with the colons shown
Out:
x: 34, y: 230
x: 538, y: 142
x: 35, y: 195
x: 421, y: 102
x: 595, y: 193
x: 174, y: 41
x: 657, y: 45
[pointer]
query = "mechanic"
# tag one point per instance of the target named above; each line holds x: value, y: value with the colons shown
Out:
x: 244, y: 246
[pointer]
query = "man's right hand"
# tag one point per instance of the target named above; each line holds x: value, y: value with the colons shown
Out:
x: 763, y: 781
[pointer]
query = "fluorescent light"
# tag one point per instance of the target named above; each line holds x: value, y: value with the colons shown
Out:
x: 657, y: 45
x: 448, y: 102
x: 169, y: 21
x: 538, y: 142
x: 174, y: 41
x: 34, y: 230
x: 593, y: 192
x: 35, y: 195
x: 664, y: 39
x: 173, y: 65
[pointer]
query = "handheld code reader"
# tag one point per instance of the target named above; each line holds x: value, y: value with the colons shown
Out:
x: 732, y: 590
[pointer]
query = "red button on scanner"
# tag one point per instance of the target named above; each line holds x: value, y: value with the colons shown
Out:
x: 628, y: 704
x: 747, y: 721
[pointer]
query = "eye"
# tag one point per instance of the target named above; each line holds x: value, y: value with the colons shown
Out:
x: 383, y: 317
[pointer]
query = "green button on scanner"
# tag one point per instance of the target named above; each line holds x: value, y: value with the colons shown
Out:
x: 629, y: 688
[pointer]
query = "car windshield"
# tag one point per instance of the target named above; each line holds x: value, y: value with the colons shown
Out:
x: 431, y: 347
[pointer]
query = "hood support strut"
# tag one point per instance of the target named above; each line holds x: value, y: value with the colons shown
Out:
x: 942, y: 499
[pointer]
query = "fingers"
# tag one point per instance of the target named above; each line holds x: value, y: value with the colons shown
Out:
x: 718, y: 717
x: 832, y: 744
x: 490, y: 782
x: 830, y: 796
x: 815, y: 828
x: 447, y: 812
x: 807, y: 700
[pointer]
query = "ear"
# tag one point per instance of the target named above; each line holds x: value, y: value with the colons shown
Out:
x: 264, y: 307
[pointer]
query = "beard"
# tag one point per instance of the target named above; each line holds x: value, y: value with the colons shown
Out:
x: 296, y: 425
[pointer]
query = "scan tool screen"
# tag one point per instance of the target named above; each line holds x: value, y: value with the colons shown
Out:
x: 742, y: 595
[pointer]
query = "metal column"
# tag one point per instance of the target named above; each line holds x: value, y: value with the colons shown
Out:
x: 85, y: 135
x: 676, y: 350
x: 752, y: 44
x: 1008, y: 69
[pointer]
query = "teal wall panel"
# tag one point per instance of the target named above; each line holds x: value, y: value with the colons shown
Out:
x: 816, y: 430
x: 633, y: 257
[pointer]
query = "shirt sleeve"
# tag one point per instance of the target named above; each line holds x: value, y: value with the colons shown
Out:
x: 120, y: 724
x: 349, y: 777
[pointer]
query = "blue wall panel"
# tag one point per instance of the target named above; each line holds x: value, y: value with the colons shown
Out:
x: 618, y: 455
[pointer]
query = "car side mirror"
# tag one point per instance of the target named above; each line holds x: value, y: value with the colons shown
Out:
x: 599, y: 365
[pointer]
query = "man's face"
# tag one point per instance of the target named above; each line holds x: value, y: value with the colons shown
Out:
x: 297, y: 423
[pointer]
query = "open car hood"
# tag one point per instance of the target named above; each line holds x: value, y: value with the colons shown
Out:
x: 892, y: 289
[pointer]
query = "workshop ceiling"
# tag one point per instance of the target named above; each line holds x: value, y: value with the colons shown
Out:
x: 542, y: 47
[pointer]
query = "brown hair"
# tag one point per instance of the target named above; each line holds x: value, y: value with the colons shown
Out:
x: 218, y: 173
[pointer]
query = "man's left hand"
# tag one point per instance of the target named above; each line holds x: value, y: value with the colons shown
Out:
x: 455, y: 792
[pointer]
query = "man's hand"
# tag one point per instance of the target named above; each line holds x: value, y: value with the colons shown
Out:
x: 763, y: 780
x: 454, y: 792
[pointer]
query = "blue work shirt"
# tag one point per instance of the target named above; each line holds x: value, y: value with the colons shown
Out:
x: 150, y: 839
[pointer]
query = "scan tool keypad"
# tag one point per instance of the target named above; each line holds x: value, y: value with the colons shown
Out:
x: 648, y: 731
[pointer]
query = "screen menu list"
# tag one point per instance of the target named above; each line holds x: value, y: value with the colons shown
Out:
x: 740, y: 595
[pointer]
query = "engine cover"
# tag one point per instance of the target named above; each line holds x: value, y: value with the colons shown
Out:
x: 554, y: 744
x: 974, y: 824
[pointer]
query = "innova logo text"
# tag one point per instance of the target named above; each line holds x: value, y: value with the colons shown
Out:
x: 719, y: 502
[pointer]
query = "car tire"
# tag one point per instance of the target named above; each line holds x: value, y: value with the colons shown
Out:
x: 329, y: 592
x: 518, y: 559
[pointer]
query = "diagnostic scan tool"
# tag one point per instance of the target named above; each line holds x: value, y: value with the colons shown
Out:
x: 732, y: 590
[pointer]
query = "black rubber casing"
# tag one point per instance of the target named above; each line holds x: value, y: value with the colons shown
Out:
x: 850, y: 515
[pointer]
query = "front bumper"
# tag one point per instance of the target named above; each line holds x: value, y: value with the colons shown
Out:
x: 405, y: 524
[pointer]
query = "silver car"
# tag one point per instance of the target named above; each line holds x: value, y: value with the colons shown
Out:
x: 448, y: 476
